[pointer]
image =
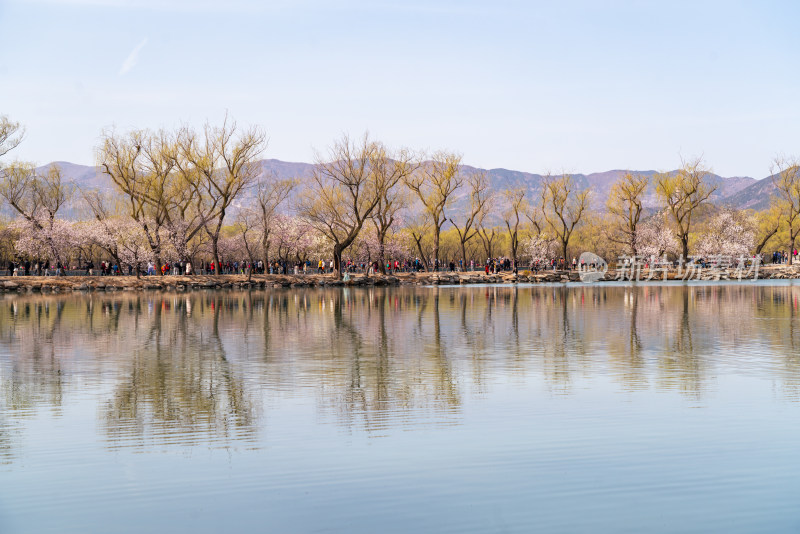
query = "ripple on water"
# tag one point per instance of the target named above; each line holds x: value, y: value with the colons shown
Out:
x: 554, y: 408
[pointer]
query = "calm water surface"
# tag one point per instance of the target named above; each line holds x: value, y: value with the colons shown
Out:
x: 477, y: 409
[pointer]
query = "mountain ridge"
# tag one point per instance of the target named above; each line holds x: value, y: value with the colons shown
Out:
x: 743, y: 192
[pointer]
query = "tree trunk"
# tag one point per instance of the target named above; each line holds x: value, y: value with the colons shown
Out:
x: 435, y: 249
x: 463, y: 255
x: 764, y: 241
x: 685, y: 246
x: 487, y: 244
x: 337, y: 261
x: 514, y: 246
x: 382, y: 255
x: 421, y: 253
x: 155, y: 246
x: 217, y: 267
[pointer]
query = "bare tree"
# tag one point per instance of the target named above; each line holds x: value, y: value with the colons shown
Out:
x: 219, y: 164
x: 11, y: 134
x: 684, y: 192
x: 271, y: 194
x: 392, y: 168
x: 487, y: 235
x: 512, y: 215
x: 786, y: 177
x: 434, y: 183
x: 247, y: 220
x: 479, y: 198
x: 563, y: 206
x: 625, y: 204
x: 36, y: 197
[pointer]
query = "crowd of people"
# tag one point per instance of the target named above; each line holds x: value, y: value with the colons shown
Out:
x: 782, y: 256
x: 321, y: 266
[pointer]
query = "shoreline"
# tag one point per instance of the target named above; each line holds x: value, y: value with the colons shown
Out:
x: 63, y: 284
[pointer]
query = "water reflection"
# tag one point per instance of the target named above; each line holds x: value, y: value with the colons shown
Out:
x: 204, y: 368
x: 178, y: 383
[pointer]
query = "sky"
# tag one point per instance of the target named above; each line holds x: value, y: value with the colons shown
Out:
x: 578, y: 86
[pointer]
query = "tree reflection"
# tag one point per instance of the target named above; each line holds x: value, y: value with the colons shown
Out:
x: 626, y: 346
x: 180, y: 385
x: 204, y: 367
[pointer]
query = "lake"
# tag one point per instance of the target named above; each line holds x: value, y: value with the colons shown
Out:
x: 551, y: 408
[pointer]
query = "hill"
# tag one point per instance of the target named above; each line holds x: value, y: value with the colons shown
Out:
x: 738, y: 191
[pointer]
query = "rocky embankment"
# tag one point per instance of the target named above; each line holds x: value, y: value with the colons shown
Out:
x: 40, y: 284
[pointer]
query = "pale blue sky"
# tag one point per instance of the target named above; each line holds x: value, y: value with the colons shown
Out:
x: 580, y: 86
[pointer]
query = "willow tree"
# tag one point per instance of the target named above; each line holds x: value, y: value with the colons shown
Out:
x: 141, y: 165
x: 36, y: 197
x: 487, y: 234
x: 218, y: 164
x: 769, y: 224
x: 435, y: 184
x: 563, y: 207
x: 247, y: 223
x: 343, y: 191
x: 515, y: 208
x: 392, y: 170
x: 684, y: 192
x: 786, y: 177
x: 626, y: 204
x: 107, y: 214
x: 11, y: 134
x: 271, y: 194
x: 466, y: 225
x: 419, y: 228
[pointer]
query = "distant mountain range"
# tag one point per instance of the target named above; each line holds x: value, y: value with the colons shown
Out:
x: 738, y: 191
